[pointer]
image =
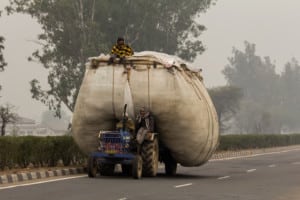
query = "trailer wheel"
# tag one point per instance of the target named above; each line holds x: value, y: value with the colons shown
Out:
x: 107, y: 169
x: 137, y: 167
x: 170, y: 163
x: 92, y: 167
x: 149, y: 154
x: 170, y: 167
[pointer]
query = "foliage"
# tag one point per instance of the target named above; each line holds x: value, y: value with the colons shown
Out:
x: 2, y: 61
x: 7, y: 115
x: 7, y: 152
x: 74, y: 30
x: 226, y: 101
x: 254, y: 141
x: 39, y: 151
x: 48, y: 151
x: 270, y: 100
x: 290, y: 94
x: 256, y: 76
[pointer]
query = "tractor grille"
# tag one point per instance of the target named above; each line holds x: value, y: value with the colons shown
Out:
x: 112, y: 143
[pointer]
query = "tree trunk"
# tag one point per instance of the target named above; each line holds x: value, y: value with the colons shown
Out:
x: 3, y: 128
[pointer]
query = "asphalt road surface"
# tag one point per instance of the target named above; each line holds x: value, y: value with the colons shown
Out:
x: 273, y: 176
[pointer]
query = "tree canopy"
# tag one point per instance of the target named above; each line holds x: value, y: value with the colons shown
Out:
x: 226, y: 100
x: 271, y: 101
x: 256, y: 76
x: 290, y: 94
x: 2, y: 61
x: 74, y: 30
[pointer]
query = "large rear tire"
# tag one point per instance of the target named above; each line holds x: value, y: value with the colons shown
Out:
x: 107, y: 169
x: 137, y: 167
x: 92, y: 167
x: 150, y: 152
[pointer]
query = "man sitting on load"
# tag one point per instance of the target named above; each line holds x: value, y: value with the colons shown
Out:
x: 120, y: 50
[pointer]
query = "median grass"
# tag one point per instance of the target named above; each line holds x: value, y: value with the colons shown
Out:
x: 254, y: 141
x: 20, y: 152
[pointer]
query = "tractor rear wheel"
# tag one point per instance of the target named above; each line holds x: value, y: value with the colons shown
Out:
x: 150, y: 151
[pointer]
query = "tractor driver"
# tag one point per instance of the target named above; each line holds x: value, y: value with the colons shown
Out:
x: 144, y: 124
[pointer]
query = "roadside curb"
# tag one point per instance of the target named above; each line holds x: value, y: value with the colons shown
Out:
x: 27, y: 176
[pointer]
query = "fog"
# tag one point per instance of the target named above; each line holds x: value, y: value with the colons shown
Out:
x: 272, y: 25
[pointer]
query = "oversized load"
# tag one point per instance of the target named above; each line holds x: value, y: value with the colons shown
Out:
x: 186, y: 119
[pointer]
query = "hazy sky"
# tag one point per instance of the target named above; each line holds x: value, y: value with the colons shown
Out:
x: 273, y: 25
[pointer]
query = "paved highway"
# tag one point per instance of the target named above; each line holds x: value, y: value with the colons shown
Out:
x: 265, y: 177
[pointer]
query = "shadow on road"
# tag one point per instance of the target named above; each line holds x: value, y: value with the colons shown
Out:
x: 161, y: 176
x: 186, y: 176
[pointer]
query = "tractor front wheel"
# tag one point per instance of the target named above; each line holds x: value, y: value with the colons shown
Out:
x: 137, y: 167
x: 92, y: 167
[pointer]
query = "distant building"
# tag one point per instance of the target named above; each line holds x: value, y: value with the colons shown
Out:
x: 24, y: 127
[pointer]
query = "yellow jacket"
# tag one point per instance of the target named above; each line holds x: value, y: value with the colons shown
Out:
x: 122, y: 50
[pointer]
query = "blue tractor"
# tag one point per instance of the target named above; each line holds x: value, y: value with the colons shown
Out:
x: 117, y: 147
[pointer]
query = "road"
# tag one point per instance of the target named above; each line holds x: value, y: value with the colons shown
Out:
x: 264, y: 177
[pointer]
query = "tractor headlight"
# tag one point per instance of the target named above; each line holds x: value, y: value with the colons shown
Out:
x: 126, y: 138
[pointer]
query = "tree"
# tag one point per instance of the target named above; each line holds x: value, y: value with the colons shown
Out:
x: 73, y: 30
x: 6, y: 116
x: 290, y: 95
x: 255, y: 76
x: 260, y: 85
x: 255, y: 118
x: 226, y: 100
x: 2, y: 61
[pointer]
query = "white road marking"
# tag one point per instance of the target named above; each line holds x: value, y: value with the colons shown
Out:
x: 224, y: 177
x: 254, y: 155
x: 296, y: 163
x: 272, y: 165
x: 251, y: 170
x: 41, y: 182
x: 184, y: 185
x: 123, y: 198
